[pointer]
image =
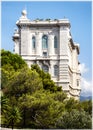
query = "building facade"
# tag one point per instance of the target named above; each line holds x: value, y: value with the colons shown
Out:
x: 49, y: 44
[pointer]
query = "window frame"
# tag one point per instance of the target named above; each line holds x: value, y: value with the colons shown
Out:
x: 44, y: 69
x: 34, y: 42
x: 55, y: 42
x: 44, y: 54
x: 44, y: 42
x: 56, y: 69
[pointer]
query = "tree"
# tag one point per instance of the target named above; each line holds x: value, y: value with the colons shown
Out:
x: 32, y: 100
x: 13, y: 116
x: 4, y: 109
x: 87, y: 106
x: 23, y: 82
x: 7, y: 72
x: 10, y: 114
x: 48, y: 84
x: 74, y: 120
x: 4, y: 104
x: 9, y: 64
x: 42, y: 110
x: 60, y: 96
x: 14, y: 60
x: 72, y: 104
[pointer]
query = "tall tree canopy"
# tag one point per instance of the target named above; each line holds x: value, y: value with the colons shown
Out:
x: 14, y: 60
x: 48, y: 83
x: 31, y: 99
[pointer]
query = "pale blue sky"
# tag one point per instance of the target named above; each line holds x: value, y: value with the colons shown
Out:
x: 78, y: 13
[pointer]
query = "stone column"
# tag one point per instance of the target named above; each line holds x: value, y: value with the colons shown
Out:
x: 75, y: 59
x: 76, y: 72
x: 50, y: 44
x: 25, y: 37
x: 38, y: 44
x: 16, y: 42
x: 30, y: 45
x: 51, y: 68
x: 17, y: 46
x: 64, y: 59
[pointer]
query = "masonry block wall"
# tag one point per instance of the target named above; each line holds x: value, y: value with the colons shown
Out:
x: 49, y: 44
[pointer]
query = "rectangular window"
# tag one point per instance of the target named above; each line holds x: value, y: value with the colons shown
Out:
x: 45, y: 54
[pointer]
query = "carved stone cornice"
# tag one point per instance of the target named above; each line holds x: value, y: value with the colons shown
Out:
x: 74, y: 45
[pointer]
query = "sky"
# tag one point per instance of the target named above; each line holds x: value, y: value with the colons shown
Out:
x: 80, y: 16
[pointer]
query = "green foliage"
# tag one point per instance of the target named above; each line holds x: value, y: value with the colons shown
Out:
x: 9, y: 64
x: 60, y: 96
x: 4, y: 104
x: 4, y: 78
x: 10, y: 114
x: 48, y: 84
x: 87, y: 106
x: 41, y: 73
x: 72, y: 104
x: 31, y: 99
x: 74, y: 120
x: 13, y: 116
x: 41, y: 109
x: 7, y: 72
x: 23, y: 82
x: 14, y: 60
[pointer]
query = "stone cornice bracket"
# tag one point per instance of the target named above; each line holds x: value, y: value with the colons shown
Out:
x: 46, y: 63
x: 74, y: 45
x: 64, y: 23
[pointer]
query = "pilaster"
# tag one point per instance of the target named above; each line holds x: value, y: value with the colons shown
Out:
x: 63, y: 55
x: 16, y: 46
x: 50, y: 44
x: 16, y: 41
x: 25, y: 37
x: 37, y: 43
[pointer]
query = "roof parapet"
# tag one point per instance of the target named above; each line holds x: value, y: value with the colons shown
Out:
x: 23, y: 20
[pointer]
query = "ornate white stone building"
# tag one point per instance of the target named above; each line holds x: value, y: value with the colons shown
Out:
x: 49, y: 44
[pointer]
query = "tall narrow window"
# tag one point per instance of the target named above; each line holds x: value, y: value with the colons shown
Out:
x: 77, y: 82
x: 55, y: 42
x: 45, y: 42
x: 55, y: 70
x: 33, y: 42
x: 45, y: 68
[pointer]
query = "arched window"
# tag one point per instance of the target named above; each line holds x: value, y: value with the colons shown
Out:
x: 45, y: 42
x: 55, y: 70
x: 33, y: 42
x: 45, y: 68
x: 55, y: 42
